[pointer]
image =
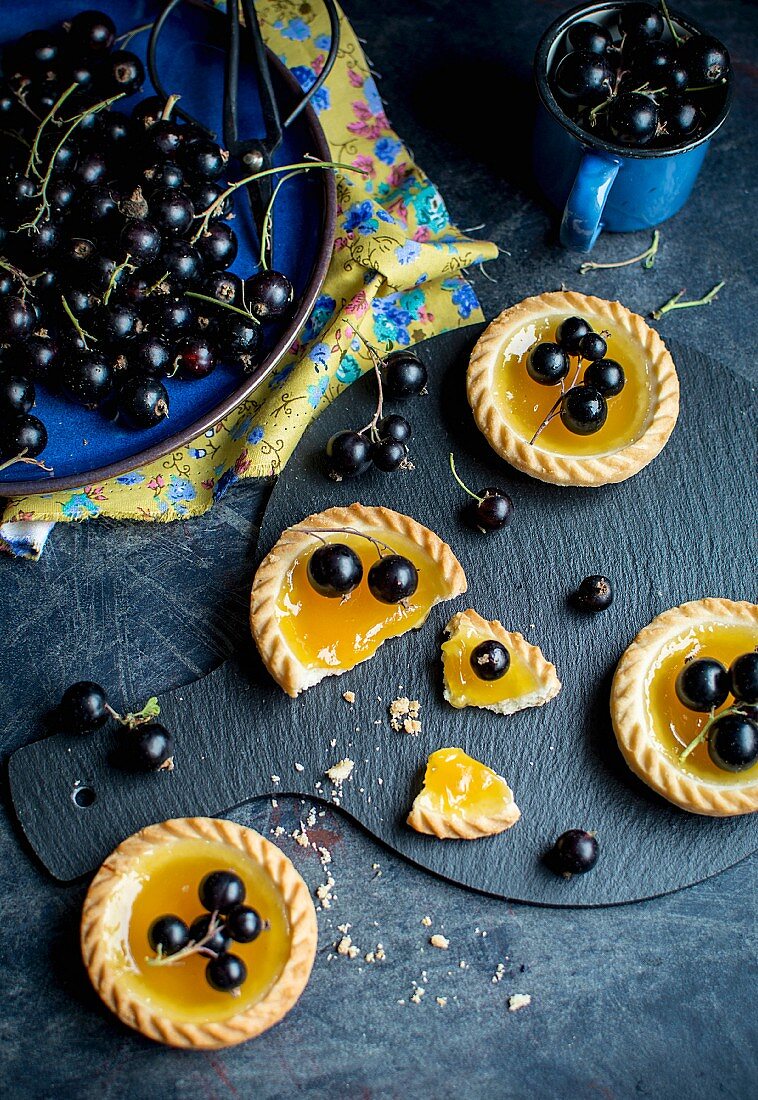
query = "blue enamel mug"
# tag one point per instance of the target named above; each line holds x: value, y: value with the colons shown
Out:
x: 597, y: 184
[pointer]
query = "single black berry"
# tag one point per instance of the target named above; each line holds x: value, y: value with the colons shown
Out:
x: 733, y: 742
x: 171, y: 211
x: 16, y: 394
x: 91, y: 32
x: 124, y: 72
x: 583, y: 77
x: 394, y: 427
x: 226, y: 973
x: 23, y: 435
x: 490, y: 660
x: 239, y: 340
x: 17, y: 319
x: 220, y: 891
x: 334, y: 570
x: 633, y: 118
x: 183, y: 263
x: 547, y: 364
x: 140, y: 239
x: 195, y: 357
x: 244, y: 924
x: 218, y: 247
x: 595, y: 593
x: 347, y: 454
x: 641, y: 21
x: 204, y: 159
x: 702, y: 684
x: 168, y: 934
x: 589, y: 36
x: 583, y: 410
x: 403, y: 375
x: 84, y: 707
x: 87, y: 377
x: 388, y: 454
x: 147, y: 747
x: 706, y: 59
x: 269, y: 295
x: 393, y: 578
x: 143, y: 402
x: 743, y: 676
x: 680, y: 117
x: 218, y: 942
x: 147, y: 353
x: 575, y: 852
x: 493, y: 510
x: 570, y: 332
x: 606, y: 376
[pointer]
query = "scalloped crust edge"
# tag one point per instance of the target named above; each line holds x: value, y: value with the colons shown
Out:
x: 516, y: 644
x: 631, y: 726
x: 288, y: 671
x: 456, y: 827
x: 285, y: 992
x: 561, y: 469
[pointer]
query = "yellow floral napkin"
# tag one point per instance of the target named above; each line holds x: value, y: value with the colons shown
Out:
x: 395, y: 277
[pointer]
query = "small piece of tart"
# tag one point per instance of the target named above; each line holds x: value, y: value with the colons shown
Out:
x: 653, y: 727
x: 462, y: 799
x: 530, y: 680
x: 509, y: 406
x: 302, y: 636
x: 157, y: 871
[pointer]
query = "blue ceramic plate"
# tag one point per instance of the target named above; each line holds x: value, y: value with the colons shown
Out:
x: 84, y: 446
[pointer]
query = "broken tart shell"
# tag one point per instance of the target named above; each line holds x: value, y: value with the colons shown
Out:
x: 303, y: 637
x: 462, y: 799
x: 530, y: 680
x: 611, y: 455
x: 644, y: 684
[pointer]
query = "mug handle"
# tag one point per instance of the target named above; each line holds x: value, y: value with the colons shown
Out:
x: 580, y: 225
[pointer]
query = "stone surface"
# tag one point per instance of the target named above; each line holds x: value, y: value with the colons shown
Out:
x: 654, y: 999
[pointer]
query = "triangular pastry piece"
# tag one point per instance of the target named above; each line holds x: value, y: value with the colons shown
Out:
x: 462, y: 799
x: 530, y: 680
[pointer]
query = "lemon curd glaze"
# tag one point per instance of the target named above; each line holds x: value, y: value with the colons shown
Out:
x: 524, y: 403
x: 339, y: 633
x: 465, y: 687
x: 455, y: 783
x: 674, y: 725
x: 165, y: 880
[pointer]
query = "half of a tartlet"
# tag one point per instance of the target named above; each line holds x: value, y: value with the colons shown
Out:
x: 530, y: 680
x: 156, y: 872
x: 653, y: 728
x: 303, y: 636
x: 509, y: 406
x: 462, y: 799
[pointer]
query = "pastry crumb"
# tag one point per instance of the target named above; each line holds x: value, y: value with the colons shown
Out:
x: 377, y: 955
x: 499, y: 974
x: 349, y: 696
x: 438, y: 940
x: 417, y: 994
x: 347, y: 947
x: 299, y: 767
x: 340, y: 771
x: 301, y: 837
x: 441, y: 1001
x: 404, y: 715
x: 426, y: 921
x: 278, y: 831
x: 518, y: 1000
x: 275, y: 779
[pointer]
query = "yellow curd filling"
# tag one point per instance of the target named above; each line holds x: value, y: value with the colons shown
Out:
x: 166, y: 880
x: 524, y: 403
x: 456, y: 784
x: 466, y: 688
x: 675, y: 726
x: 340, y: 633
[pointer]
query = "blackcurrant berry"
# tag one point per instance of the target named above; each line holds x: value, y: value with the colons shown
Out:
x: 84, y: 707
x: 706, y: 59
x: 493, y: 510
x: 218, y: 247
x: 124, y: 72
x: 403, y: 375
x: 583, y: 77
x: 395, y: 427
x: 61, y: 192
x: 347, y: 454
x: 244, y: 924
x: 606, y: 375
x: 90, y: 169
x: 220, y: 891
x: 392, y: 579
x: 172, y: 315
x: 733, y: 742
x: 592, y: 346
x: 269, y: 295
x: 143, y: 402
x: 702, y: 684
x: 743, y: 676
x: 147, y: 111
x: 238, y: 340
x: 570, y: 332
x: 148, y: 747
x: 583, y: 410
x: 226, y: 973
x: 591, y: 37
x: 115, y: 132
x: 148, y: 354
x: 87, y: 377
x: 140, y: 239
x: 490, y: 660
x: 547, y: 364
x: 218, y: 942
x: 16, y: 394
x: 225, y: 286
x: 680, y: 117
x: 22, y: 435
x: 163, y: 141
x: 116, y: 324
x: 334, y: 570
x: 183, y: 263
x: 641, y: 21
x: 595, y: 594
x: 17, y: 319
x: 652, y: 62
x: 575, y: 852
x: 194, y: 357
x: 388, y: 454
x: 91, y: 32
x: 166, y: 175
x: 168, y: 934
x: 37, y: 357
x: 633, y: 118
x: 203, y: 159
x: 204, y: 193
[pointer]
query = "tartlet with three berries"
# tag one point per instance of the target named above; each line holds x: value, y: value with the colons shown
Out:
x: 669, y: 738
x: 168, y: 997
x: 573, y: 390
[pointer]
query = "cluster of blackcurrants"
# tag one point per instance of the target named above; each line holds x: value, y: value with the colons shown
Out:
x: 703, y: 685
x: 145, y: 745
x: 335, y: 570
x: 227, y: 920
x: 583, y: 407
x: 636, y: 84
x: 114, y: 240
x: 384, y: 442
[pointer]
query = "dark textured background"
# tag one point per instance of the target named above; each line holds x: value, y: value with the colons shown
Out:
x: 655, y: 999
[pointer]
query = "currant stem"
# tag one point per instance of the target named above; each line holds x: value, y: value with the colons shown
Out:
x: 676, y: 303
x: 125, y: 39
x: 75, y: 322
x: 648, y: 256
x: 318, y: 533
x: 34, y: 153
x: 158, y: 282
x: 222, y: 305
x: 150, y: 710
x: 114, y: 277
x: 463, y: 486
x: 376, y: 363
x: 171, y: 102
x: 21, y: 457
x: 700, y: 737
x: 268, y: 216
x: 664, y: 8
x: 17, y: 273
x: 192, y: 948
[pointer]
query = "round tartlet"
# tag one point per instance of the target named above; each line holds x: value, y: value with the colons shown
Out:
x: 652, y: 727
x: 199, y: 1018
x: 508, y: 406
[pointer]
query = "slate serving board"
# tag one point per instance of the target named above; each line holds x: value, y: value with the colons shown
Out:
x: 671, y: 534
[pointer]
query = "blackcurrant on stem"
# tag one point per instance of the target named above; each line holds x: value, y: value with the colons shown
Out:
x: 676, y: 303
x: 21, y: 457
x: 34, y: 154
x: 648, y: 256
x: 222, y: 305
x: 171, y: 102
x: 672, y: 29
x: 320, y: 532
x: 125, y: 263
x: 17, y: 273
x: 194, y: 947
x: 75, y: 322
x: 462, y: 484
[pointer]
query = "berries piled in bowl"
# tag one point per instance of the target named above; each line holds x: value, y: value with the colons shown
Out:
x: 639, y: 78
